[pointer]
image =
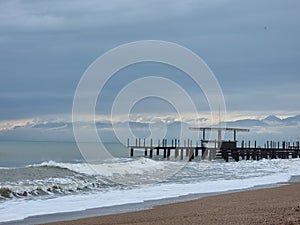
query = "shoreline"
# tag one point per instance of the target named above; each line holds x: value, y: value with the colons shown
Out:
x: 138, y: 207
x: 277, y: 205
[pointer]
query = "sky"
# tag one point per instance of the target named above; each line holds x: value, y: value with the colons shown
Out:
x: 252, y: 47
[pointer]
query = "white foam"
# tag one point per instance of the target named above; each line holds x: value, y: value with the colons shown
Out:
x: 122, y: 167
x: 20, y: 209
x: 267, y: 172
x: 144, y: 165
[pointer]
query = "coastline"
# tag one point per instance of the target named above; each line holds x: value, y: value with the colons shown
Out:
x: 97, y: 214
x: 278, y: 205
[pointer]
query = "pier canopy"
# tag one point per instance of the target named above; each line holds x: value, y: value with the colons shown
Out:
x: 219, y: 129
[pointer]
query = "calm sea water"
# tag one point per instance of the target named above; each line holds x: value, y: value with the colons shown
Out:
x: 23, y: 153
x: 49, y: 177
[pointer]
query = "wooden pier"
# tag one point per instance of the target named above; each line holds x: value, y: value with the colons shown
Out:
x: 188, y: 150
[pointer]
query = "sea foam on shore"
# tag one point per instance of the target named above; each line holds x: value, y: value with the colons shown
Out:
x: 94, y: 190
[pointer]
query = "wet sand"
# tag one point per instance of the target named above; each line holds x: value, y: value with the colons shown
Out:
x: 280, y: 205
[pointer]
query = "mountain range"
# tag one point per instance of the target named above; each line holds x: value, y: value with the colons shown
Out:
x: 47, y: 130
x: 271, y: 120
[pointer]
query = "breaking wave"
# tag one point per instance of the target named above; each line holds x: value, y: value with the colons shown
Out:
x: 50, y: 179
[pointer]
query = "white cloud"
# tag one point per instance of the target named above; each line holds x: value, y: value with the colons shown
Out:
x: 13, y: 124
x: 58, y: 128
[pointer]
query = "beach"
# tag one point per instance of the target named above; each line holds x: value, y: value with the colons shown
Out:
x: 277, y: 205
x: 38, y: 190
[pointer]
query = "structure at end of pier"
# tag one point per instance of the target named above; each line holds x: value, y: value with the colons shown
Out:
x: 219, y: 130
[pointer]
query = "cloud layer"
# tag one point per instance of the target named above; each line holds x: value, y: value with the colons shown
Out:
x: 252, y: 47
x: 268, y: 128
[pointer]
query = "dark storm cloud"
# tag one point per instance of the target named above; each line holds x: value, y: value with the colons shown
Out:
x: 45, y: 46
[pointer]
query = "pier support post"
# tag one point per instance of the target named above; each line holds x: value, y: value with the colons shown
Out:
x: 187, y: 152
x: 273, y: 154
x: 279, y: 155
x: 191, y: 154
x: 168, y: 153
x: 264, y: 154
x: 164, y: 146
x: 294, y: 154
x: 204, y: 153
x: 286, y: 154
x: 225, y: 155
x: 235, y: 155
x: 247, y: 154
x: 176, y: 152
x: 242, y: 154
x: 213, y: 153
x: 165, y: 153
x: 209, y: 154
x: 131, y: 152
x: 254, y: 155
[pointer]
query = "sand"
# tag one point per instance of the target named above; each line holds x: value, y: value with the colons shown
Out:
x: 280, y: 205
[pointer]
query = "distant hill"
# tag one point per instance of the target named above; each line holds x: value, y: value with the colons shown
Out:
x: 272, y: 120
x: 246, y: 123
x: 292, y: 120
x: 268, y: 121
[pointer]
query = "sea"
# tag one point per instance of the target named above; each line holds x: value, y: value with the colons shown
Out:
x: 53, y: 178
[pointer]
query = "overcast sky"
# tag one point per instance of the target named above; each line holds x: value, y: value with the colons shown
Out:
x: 45, y: 46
